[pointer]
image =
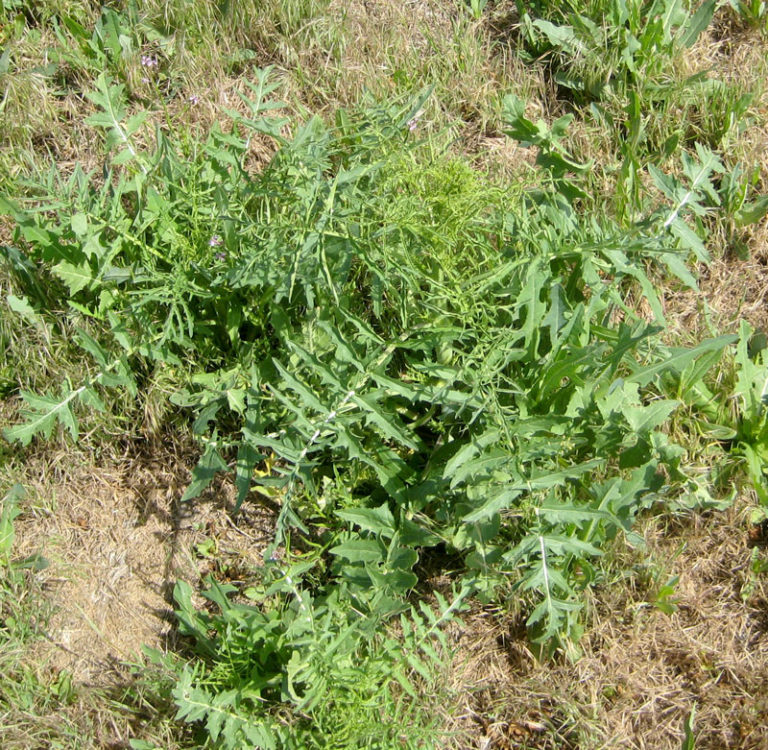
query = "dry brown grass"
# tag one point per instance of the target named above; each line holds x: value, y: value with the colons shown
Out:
x: 642, y: 671
x: 734, y: 286
x: 731, y: 289
x: 117, y: 538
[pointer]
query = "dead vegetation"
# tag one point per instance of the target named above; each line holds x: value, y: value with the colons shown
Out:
x: 116, y: 539
x: 642, y: 672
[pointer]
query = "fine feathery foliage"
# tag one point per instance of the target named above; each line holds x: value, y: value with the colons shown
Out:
x: 417, y: 360
x: 329, y: 657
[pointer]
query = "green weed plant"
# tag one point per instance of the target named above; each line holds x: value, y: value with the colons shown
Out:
x: 605, y: 47
x: 753, y: 12
x: 421, y: 363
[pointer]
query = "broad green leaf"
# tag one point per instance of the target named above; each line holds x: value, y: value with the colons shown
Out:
x: 546, y: 578
x: 93, y: 347
x: 401, y: 558
x: 546, y: 479
x: 468, y: 452
x: 479, y: 532
x: 562, y: 37
x: 677, y: 266
x: 572, y: 514
x: 415, y: 535
x: 21, y: 306
x: 378, y: 520
x: 79, y: 223
x: 482, y: 465
x: 10, y: 511
x: 751, y: 213
x: 236, y: 399
x: 697, y: 23
x: 678, y: 359
x: 559, y: 544
x: 89, y: 397
x: 535, y: 309
x: 360, y: 550
x: 207, y: 467
x: 385, y: 463
x: 406, y: 390
x: 689, y: 735
x: 496, y: 502
x: 344, y: 352
x: 42, y: 416
x: 689, y: 240
x: 247, y: 458
x: 521, y: 128
x: 398, y: 580
x: 389, y: 424
x: 75, y: 277
x: 643, y: 419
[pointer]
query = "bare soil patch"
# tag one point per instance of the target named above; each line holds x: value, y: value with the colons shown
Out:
x: 116, y: 539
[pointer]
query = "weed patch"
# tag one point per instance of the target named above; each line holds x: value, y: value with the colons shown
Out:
x: 453, y: 391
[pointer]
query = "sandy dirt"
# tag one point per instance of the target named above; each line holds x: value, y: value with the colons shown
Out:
x: 116, y: 539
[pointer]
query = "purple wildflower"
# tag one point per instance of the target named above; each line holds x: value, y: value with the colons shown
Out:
x: 220, y: 256
x: 148, y: 61
x: 215, y: 240
x: 194, y: 99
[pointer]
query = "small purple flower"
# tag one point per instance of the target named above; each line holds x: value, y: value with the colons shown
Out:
x: 220, y: 256
x: 148, y: 61
x: 194, y: 100
x: 413, y: 123
x: 215, y: 240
